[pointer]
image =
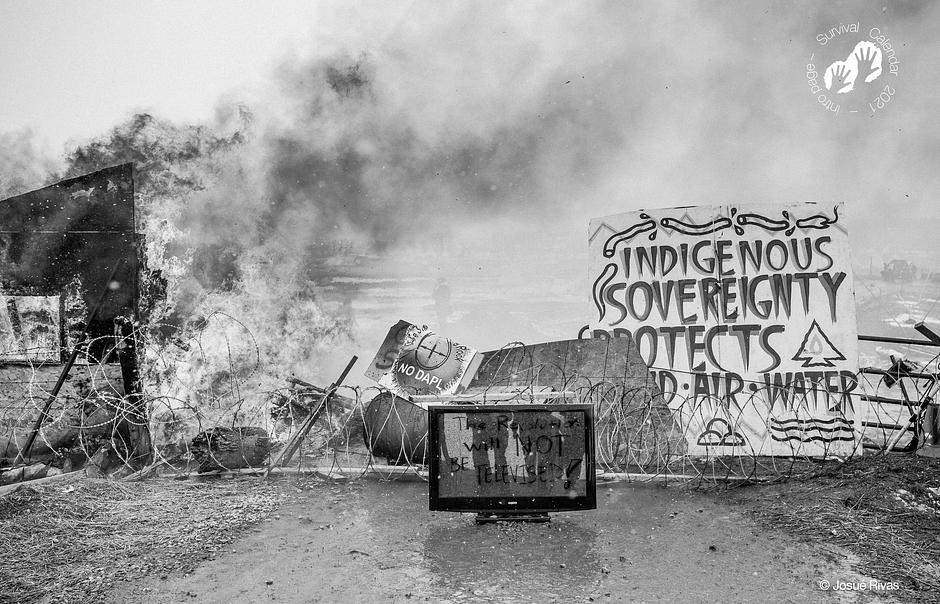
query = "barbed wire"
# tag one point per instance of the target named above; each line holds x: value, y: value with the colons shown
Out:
x: 210, y: 403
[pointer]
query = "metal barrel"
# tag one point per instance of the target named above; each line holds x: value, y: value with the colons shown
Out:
x: 396, y: 429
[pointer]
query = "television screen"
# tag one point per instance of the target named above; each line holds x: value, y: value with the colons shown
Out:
x: 513, y: 458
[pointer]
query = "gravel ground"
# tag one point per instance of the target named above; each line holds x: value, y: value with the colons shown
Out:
x: 374, y: 541
x: 305, y: 540
x: 883, y: 509
x: 72, y: 542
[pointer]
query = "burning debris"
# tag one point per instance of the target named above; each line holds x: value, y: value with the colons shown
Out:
x: 74, y: 392
x: 232, y: 221
x: 201, y: 347
x: 230, y: 448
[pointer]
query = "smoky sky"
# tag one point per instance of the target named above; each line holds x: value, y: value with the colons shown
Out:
x: 482, y: 122
x: 427, y: 115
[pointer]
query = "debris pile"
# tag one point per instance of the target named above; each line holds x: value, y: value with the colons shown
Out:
x: 230, y: 448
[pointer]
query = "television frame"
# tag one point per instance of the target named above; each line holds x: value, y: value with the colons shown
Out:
x: 509, y: 505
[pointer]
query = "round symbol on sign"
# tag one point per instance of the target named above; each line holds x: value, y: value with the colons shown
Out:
x: 432, y: 351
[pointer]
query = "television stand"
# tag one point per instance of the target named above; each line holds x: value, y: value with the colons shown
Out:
x: 494, y: 517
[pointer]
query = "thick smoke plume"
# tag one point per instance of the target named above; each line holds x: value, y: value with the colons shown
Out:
x: 240, y: 210
x: 22, y: 164
x: 240, y: 214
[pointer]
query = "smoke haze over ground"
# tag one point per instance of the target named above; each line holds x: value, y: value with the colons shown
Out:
x: 475, y: 141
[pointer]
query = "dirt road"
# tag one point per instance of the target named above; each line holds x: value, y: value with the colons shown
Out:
x: 377, y: 542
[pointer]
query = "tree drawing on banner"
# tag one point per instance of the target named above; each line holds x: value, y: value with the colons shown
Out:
x: 817, y: 350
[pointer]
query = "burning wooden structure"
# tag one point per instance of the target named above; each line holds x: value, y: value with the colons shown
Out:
x: 69, y: 272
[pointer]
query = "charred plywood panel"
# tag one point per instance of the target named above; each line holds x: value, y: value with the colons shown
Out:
x: 62, y: 249
x: 551, y: 370
x: 623, y: 362
x: 586, y: 360
x: 71, y: 236
x: 564, y: 364
x: 635, y: 428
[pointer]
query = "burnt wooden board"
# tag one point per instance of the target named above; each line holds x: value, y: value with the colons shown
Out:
x: 635, y: 427
x: 564, y: 364
x: 70, y: 236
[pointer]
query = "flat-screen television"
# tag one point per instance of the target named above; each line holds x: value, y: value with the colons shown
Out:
x: 511, y: 458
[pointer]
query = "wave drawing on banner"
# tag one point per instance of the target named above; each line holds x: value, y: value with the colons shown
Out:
x: 812, y: 430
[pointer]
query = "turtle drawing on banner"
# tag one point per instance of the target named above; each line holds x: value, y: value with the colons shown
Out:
x: 745, y: 315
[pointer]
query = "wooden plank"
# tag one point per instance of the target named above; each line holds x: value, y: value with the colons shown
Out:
x: 551, y: 359
x: 294, y: 443
x: 491, y: 362
x: 516, y: 361
x: 499, y: 368
x: 573, y: 360
x: 493, y: 394
x: 616, y: 366
x: 529, y: 363
x: 587, y: 359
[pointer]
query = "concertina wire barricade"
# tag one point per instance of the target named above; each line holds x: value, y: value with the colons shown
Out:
x: 201, y: 386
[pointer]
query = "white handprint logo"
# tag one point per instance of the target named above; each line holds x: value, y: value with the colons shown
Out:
x: 868, y: 60
x: 863, y: 62
x: 856, y: 80
x: 841, y: 75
